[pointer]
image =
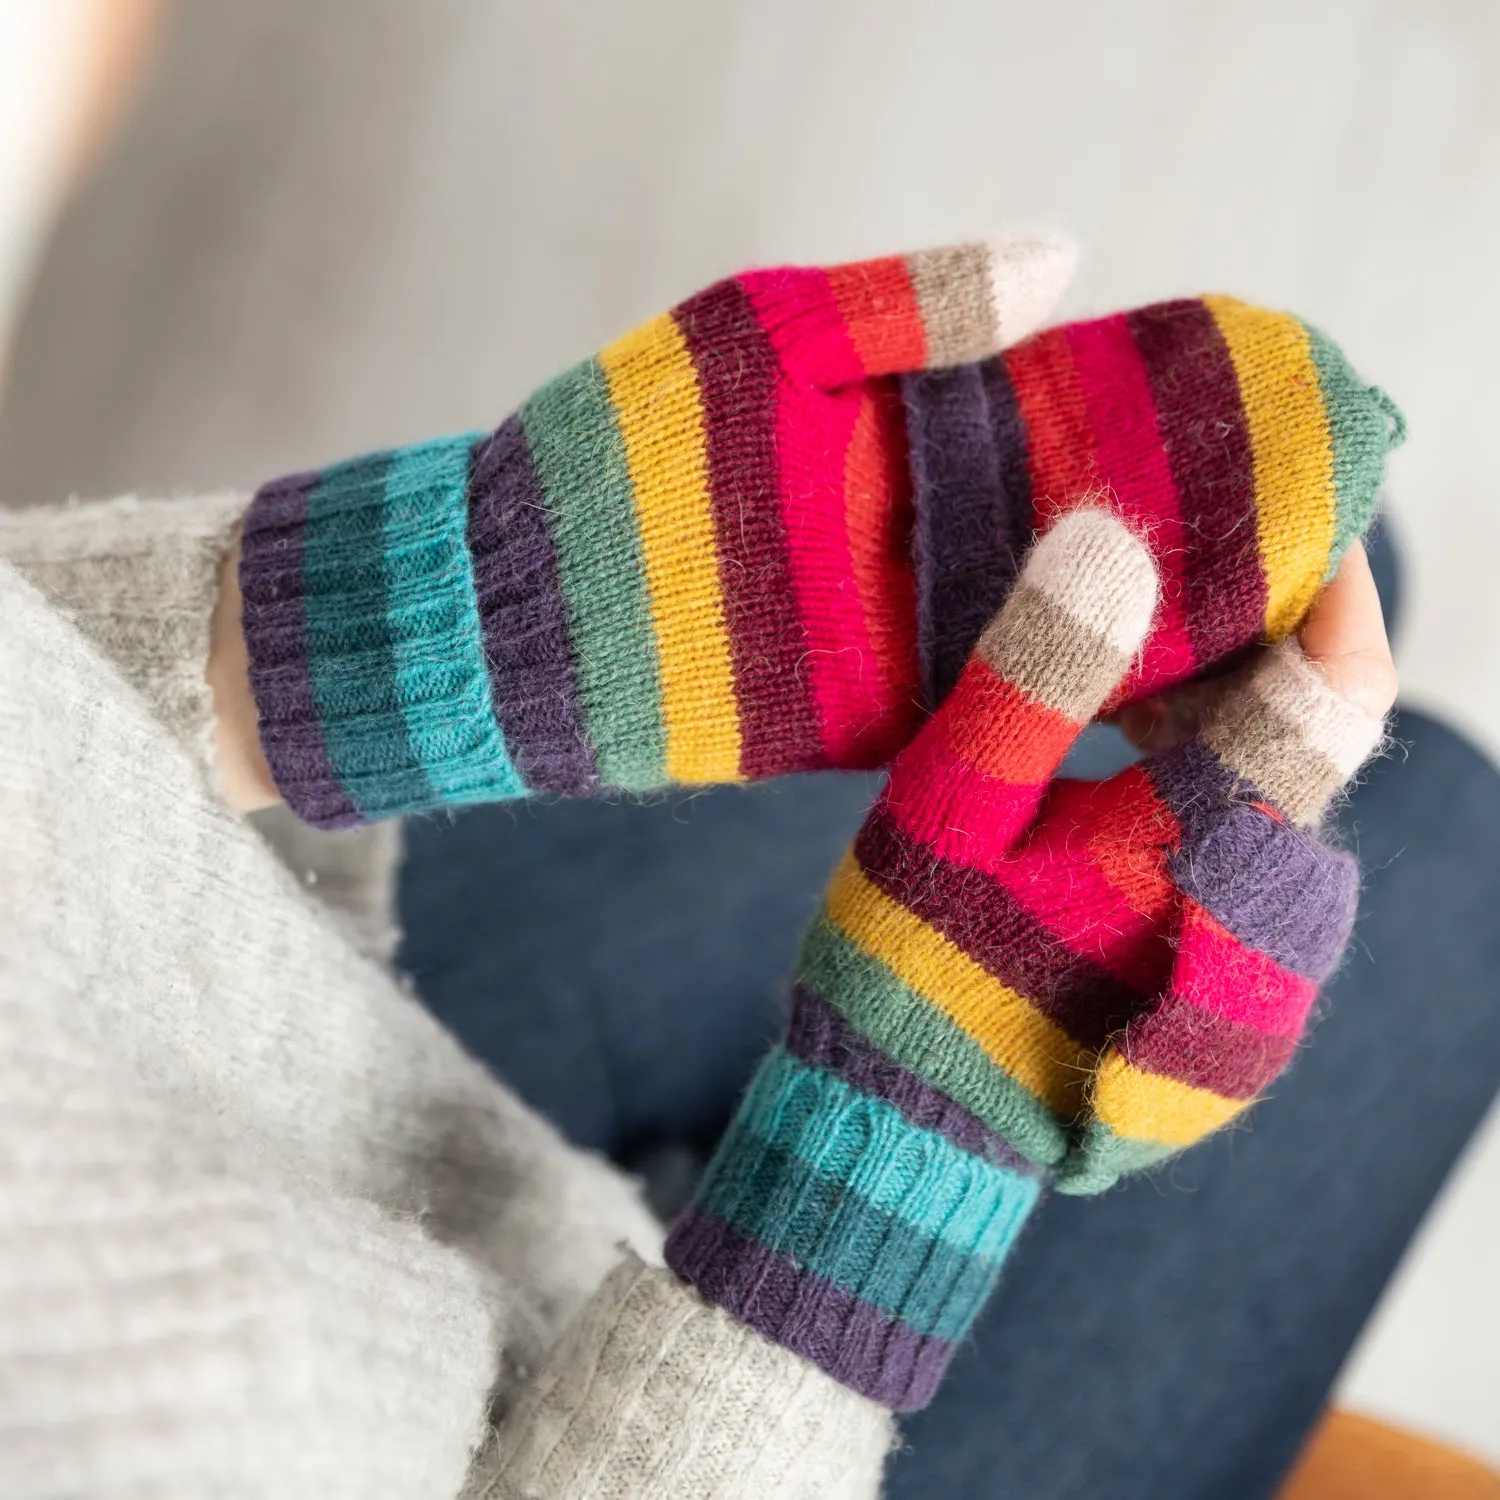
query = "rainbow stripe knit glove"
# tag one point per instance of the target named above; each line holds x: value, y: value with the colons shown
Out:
x: 1015, y: 981
x: 746, y: 540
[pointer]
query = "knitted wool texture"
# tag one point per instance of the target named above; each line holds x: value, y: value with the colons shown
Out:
x: 265, y: 1230
x: 653, y: 1393
x: 1239, y: 441
x: 747, y: 540
x: 1014, y: 980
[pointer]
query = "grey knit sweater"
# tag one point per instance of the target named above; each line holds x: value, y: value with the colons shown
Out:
x: 265, y: 1230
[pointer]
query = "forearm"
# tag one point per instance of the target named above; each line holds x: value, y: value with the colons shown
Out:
x: 655, y: 1392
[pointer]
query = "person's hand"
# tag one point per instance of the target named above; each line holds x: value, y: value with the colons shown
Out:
x: 1344, y: 635
x: 684, y: 561
x: 1015, y: 978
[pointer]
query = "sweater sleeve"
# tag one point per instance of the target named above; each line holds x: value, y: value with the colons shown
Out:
x: 655, y: 1392
x: 138, y: 578
x: 333, y: 1211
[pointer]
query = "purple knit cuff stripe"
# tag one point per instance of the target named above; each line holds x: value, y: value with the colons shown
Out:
x: 275, y: 626
x: 521, y: 603
x: 1195, y: 785
x: 1277, y: 890
x: 819, y: 1035
x: 973, y: 509
x: 868, y: 1350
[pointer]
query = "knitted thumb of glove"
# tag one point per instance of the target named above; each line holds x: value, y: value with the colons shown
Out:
x: 885, y: 1157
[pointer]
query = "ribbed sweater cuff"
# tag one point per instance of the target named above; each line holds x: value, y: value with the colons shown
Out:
x: 138, y: 578
x: 654, y: 1393
x: 368, y: 648
x: 833, y: 1224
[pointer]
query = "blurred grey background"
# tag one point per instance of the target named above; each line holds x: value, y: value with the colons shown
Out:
x: 335, y: 224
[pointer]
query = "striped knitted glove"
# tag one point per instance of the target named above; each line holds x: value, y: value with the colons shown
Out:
x: 741, y: 542
x: 683, y: 561
x: 1016, y: 981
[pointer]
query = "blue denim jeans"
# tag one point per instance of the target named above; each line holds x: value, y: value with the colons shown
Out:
x: 622, y: 967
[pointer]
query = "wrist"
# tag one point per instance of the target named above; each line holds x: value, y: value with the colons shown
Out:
x: 244, y: 776
x: 366, y: 655
x: 835, y: 1226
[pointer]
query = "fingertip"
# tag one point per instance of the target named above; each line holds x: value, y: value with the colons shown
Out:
x: 1345, y: 637
x: 1029, y: 272
x: 1093, y: 565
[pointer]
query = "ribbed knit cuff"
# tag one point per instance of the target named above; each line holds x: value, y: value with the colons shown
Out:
x: 833, y: 1224
x: 367, y: 651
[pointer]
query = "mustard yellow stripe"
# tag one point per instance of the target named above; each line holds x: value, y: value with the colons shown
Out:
x: 1296, y: 500
x: 654, y: 391
x: 1149, y: 1107
x: 1012, y: 1032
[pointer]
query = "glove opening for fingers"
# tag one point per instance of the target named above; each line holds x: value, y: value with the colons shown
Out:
x: 1284, y: 730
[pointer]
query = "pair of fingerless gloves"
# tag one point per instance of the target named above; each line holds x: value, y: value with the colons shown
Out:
x: 789, y: 526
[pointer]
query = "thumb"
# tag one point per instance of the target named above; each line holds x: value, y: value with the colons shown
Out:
x: 898, y: 314
x: 969, y: 785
